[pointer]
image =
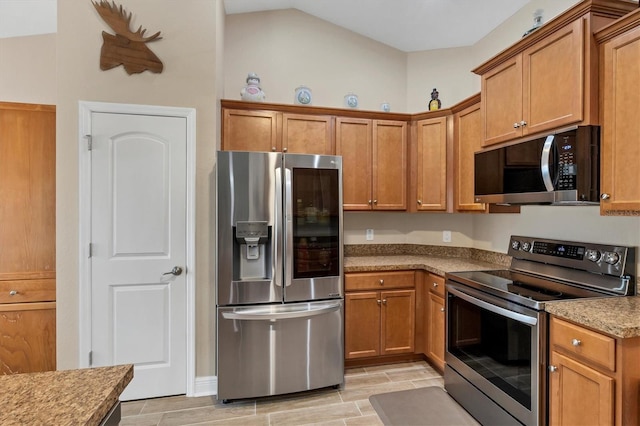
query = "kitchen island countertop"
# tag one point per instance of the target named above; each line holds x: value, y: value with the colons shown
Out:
x: 65, y: 397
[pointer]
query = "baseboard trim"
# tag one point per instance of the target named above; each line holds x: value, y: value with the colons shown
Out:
x: 205, y: 386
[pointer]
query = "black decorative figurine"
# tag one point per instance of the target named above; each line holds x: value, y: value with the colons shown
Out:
x: 434, y: 103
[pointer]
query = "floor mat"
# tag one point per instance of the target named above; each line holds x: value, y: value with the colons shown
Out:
x: 430, y: 406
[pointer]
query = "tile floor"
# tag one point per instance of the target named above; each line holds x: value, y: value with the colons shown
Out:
x: 331, y: 407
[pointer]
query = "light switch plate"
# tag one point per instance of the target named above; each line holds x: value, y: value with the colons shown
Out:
x: 369, y: 234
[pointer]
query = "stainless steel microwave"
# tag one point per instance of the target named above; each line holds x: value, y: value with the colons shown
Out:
x: 559, y: 168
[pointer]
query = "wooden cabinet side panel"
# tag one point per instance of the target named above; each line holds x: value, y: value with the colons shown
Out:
x: 308, y: 134
x: 432, y: 164
x: 620, y: 125
x: 389, y: 165
x: 27, y: 337
x: 553, y: 76
x: 245, y: 130
x: 502, y: 102
x: 436, y: 335
x: 353, y: 143
x: 398, y: 322
x: 579, y: 395
x: 362, y: 325
x: 27, y: 191
x: 467, y: 140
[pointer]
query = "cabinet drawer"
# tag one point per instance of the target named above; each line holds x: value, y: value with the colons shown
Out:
x: 379, y: 280
x: 589, y: 345
x: 21, y: 291
x: 435, y: 284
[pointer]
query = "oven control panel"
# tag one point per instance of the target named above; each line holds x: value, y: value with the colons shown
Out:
x: 593, y: 257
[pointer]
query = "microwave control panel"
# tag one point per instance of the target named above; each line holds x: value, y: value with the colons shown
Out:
x: 567, y: 168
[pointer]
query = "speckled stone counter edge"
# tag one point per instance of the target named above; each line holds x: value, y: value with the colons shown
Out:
x: 355, y: 250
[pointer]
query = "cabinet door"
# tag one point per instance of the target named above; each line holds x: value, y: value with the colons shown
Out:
x: 398, y: 321
x: 435, y: 334
x: 389, y: 165
x: 467, y: 140
x: 579, y: 395
x: 27, y: 337
x: 362, y: 324
x: 244, y: 130
x: 502, y: 102
x: 27, y: 191
x: 307, y: 134
x: 620, y: 179
x: 431, y: 155
x: 353, y: 143
x: 553, y: 77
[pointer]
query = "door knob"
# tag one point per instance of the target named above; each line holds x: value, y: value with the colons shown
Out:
x: 175, y: 271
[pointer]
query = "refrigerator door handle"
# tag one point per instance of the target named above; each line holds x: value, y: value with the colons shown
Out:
x: 266, y: 314
x: 288, y: 224
x: 279, y: 244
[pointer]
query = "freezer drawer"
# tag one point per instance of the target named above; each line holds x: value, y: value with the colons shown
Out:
x: 277, y: 349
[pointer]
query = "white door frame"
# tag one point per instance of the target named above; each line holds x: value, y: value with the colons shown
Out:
x: 84, y: 232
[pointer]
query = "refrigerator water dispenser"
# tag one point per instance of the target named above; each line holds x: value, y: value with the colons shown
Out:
x: 252, y: 250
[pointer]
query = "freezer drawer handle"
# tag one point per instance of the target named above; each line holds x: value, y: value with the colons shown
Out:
x: 268, y: 315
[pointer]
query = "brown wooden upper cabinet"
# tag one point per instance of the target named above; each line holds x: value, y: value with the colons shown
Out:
x: 620, y: 97
x: 429, y: 164
x: 277, y: 131
x: 549, y: 79
x: 374, y: 163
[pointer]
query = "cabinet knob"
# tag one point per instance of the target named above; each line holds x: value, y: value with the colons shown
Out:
x: 284, y: 149
x: 375, y: 202
x: 435, y: 284
x: 523, y: 123
x: 576, y: 342
x: 384, y: 301
x: 553, y: 368
x: 13, y: 293
x: 516, y: 125
x: 379, y: 301
x: 605, y: 196
x: 419, y: 202
x: 441, y: 309
x: 369, y: 202
x: 273, y: 148
x: 381, y: 282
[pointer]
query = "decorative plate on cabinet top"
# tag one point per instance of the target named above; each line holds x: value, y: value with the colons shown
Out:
x: 303, y: 96
x: 351, y: 100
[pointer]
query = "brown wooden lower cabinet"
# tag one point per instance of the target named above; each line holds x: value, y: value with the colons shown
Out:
x: 379, y: 322
x: 593, y: 378
x: 434, y: 319
x: 27, y: 337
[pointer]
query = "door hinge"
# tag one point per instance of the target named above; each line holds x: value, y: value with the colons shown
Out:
x: 90, y: 358
x: 90, y: 250
x: 89, y: 142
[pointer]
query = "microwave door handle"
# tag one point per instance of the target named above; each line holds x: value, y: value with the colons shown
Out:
x: 545, y: 162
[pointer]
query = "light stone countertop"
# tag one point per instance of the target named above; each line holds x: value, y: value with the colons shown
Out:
x: 616, y: 316
x: 434, y: 264
x: 65, y: 397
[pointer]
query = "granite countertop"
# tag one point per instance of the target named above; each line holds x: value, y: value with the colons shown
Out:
x: 66, y: 397
x: 616, y: 316
x: 435, y: 264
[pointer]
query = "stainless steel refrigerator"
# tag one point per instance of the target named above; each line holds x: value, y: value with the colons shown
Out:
x: 279, y: 286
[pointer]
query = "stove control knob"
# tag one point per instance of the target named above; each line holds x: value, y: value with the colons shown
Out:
x: 593, y: 255
x: 611, y: 257
x: 526, y: 246
x: 515, y: 244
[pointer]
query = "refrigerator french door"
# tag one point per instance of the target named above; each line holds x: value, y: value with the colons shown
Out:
x: 279, y: 286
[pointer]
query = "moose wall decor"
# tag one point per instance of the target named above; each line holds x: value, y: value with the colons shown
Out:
x: 126, y: 48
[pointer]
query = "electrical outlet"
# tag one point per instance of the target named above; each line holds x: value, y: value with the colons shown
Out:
x: 369, y: 234
x: 446, y: 236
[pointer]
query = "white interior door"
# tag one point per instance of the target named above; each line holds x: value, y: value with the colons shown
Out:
x: 138, y: 236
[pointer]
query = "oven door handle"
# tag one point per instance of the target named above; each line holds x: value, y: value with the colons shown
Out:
x: 493, y: 308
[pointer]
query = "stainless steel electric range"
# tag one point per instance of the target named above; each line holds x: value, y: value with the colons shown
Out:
x: 497, y: 329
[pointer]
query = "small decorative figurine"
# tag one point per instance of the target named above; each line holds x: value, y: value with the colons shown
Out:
x: 351, y: 100
x: 434, y: 103
x: 385, y: 106
x: 252, y: 91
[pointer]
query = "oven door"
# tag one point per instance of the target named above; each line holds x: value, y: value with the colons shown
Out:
x: 496, y: 347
